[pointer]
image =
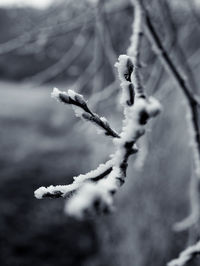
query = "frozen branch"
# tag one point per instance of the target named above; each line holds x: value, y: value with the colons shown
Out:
x: 186, y: 256
x: 94, y: 198
x: 65, y: 190
x: 93, y: 192
x: 82, y: 110
x: 137, y: 111
x: 160, y: 50
x: 134, y: 49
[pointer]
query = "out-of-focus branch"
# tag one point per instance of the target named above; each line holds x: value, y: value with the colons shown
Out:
x: 186, y: 256
x: 52, y: 31
x: 192, y: 103
x: 166, y: 60
x: 134, y: 48
x: 65, y: 61
x: 26, y: 37
x: 194, y: 10
x: 168, y: 18
x: 169, y: 65
x: 62, y: 28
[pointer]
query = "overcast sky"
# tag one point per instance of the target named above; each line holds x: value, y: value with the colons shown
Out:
x: 35, y: 3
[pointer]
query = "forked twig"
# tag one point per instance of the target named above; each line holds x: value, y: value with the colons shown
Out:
x: 93, y: 192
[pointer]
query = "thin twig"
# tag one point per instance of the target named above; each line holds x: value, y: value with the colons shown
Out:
x: 82, y: 110
x: 186, y: 256
x: 96, y: 197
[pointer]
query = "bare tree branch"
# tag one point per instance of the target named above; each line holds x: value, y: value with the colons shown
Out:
x: 82, y: 110
x: 98, y: 197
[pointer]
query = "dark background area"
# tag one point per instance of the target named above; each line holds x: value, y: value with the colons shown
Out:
x: 74, y: 44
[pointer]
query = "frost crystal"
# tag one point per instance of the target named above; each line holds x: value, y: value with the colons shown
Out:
x: 55, y: 94
x: 55, y: 191
x: 72, y: 94
x: 90, y: 199
x: 186, y: 255
x: 93, y: 192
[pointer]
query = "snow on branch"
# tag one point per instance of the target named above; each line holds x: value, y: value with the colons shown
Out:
x: 55, y: 191
x: 94, y: 198
x: 93, y: 192
x: 82, y: 110
x: 66, y: 190
x: 186, y: 256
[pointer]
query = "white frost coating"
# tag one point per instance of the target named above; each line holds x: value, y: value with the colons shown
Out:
x: 78, y: 182
x: 131, y: 131
x: 186, y: 255
x: 104, y: 120
x: 137, y: 29
x: 132, y: 128
x: 193, y: 143
x: 142, y: 155
x: 72, y: 94
x: 76, y: 96
x: 40, y: 192
x: 111, y: 182
x: 95, y: 120
x: 56, y: 94
x: 86, y: 200
x: 78, y: 111
x: 101, y: 169
x: 154, y: 107
x: 121, y: 66
x: 122, y: 72
x: 124, y: 97
x: 65, y: 189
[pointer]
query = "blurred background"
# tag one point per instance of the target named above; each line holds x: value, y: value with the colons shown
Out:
x: 74, y: 44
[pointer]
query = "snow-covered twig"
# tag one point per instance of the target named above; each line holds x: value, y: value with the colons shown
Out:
x: 94, y: 198
x: 82, y: 110
x: 66, y: 190
x: 186, y: 256
x: 93, y: 192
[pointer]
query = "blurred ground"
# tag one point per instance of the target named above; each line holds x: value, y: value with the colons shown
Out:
x: 36, y: 150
